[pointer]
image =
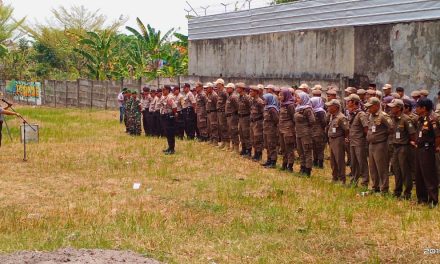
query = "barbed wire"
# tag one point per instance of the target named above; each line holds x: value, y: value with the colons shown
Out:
x: 224, y: 6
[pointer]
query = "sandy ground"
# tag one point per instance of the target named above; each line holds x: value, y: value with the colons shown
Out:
x: 70, y: 255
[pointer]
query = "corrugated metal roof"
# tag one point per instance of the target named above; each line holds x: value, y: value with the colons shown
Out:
x: 312, y: 14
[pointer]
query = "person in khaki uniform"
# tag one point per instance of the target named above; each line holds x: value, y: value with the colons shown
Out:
x: 286, y: 127
x: 189, y: 106
x: 202, y: 116
x: 270, y: 128
x: 244, y: 112
x: 256, y: 117
x: 222, y: 122
x: 179, y: 121
x: 379, y: 128
x: 318, y: 130
x: 231, y: 112
x: 426, y: 145
x: 358, y: 127
x: 211, y: 110
x: 304, y: 119
x: 337, y: 132
x: 404, y: 132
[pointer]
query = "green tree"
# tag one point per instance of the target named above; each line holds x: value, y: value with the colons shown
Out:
x: 98, y: 50
x: 150, y: 50
x: 8, y: 26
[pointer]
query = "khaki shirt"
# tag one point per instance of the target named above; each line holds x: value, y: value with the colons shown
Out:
x: 270, y: 123
x: 244, y: 105
x: 337, y: 126
x: 380, y: 126
x: 402, y: 129
x: 153, y: 104
x: 158, y: 105
x: 304, y: 120
x: 188, y: 100
x: 179, y: 101
x: 145, y: 103
x: 211, y: 105
x: 201, y: 100
x: 168, y: 104
x: 221, y: 101
x: 428, y: 128
x: 318, y: 129
x: 257, y: 109
x: 358, y: 121
x: 231, y: 106
x: 286, y: 123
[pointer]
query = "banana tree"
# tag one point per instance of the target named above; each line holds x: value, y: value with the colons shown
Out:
x: 151, y: 49
x: 98, y: 50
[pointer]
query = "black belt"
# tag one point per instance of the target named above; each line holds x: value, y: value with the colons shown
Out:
x: 425, y: 145
x: 211, y: 111
x: 231, y: 114
x: 243, y: 115
x: 256, y: 119
x: 221, y: 110
x: 188, y: 109
x: 397, y: 145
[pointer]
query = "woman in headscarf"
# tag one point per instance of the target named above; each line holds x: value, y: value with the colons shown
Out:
x: 318, y: 129
x: 270, y: 129
x: 286, y: 126
x: 304, y: 120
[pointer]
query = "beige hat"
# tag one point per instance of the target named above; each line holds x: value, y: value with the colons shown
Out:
x: 303, y: 86
x: 415, y: 94
x: 424, y: 92
x: 372, y: 101
x: 396, y: 102
x: 230, y: 85
x: 220, y: 81
x: 260, y: 87
x: 333, y: 102
x: 316, y: 92
x: 333, y: 87
x: 331, y: 92
x: 208, y: 85
x: 254, y: 87
x: 350, y: 90
x: 240, y: 85
x: 317, y: 87
x: 276, y: 89
x: 353, y: 97
x: 379, y: 93
x: 270, y: 86
x: 371, y: 92
x: 395, y: 95
x: 361, y: 91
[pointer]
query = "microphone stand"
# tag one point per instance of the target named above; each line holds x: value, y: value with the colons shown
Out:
x: 24, y: 129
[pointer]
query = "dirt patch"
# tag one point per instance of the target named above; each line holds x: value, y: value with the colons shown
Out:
x: 70, y: 255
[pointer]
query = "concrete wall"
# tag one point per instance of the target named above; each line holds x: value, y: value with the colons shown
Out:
x: 404, y: 54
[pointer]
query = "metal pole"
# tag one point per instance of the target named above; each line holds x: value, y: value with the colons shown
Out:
x: 24, y: 142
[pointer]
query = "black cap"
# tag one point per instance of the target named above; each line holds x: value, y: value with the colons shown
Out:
x: 372, y: 85
x: 159, y: 90
x: 425, y: 102
x: 146, y: 89
x: 168, y: 87
x: 407, y: 102
x: 400, y: 89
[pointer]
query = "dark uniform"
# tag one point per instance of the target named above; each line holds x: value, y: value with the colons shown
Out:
x: 202, y: 116
x: 231, y: 112
x: 146, y: 120
x: 256, y: 129
x: 189, y: 114
x: 211, y: 110
x: 428, y: 131
x: 244, y: 108
x: 336, y: 131
x: 168, y: 116
x: 222, y: 120
x: 180, y: 118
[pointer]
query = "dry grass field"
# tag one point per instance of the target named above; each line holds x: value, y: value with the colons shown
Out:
x: 201, y: 205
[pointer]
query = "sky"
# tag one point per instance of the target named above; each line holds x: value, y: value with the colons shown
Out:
x: 160, y: 14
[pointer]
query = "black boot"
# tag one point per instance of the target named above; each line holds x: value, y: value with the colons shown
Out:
x: 243, y: 152
x: 248, y: 153
x: 257, y: 156
x: 320, y: 164
x: 315, y: 163
x: 290, y: 167
x: 302, y: 170
x: 284, y: 166
x: 308, y: 172
x: 272, y: 165
x: 267, y: 163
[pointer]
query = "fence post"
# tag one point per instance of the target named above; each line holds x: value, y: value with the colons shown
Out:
x: 77, y: 93
x: 43, y: 87
x: 55, y: 92
x: 67, y: 91
x: 91, y: 96
x: 106, y: 94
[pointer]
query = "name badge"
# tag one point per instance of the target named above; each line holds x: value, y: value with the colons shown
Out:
x: 373, y: 129
x: 420, y: 134
x: 333, y: 129
x: 397, y: 135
